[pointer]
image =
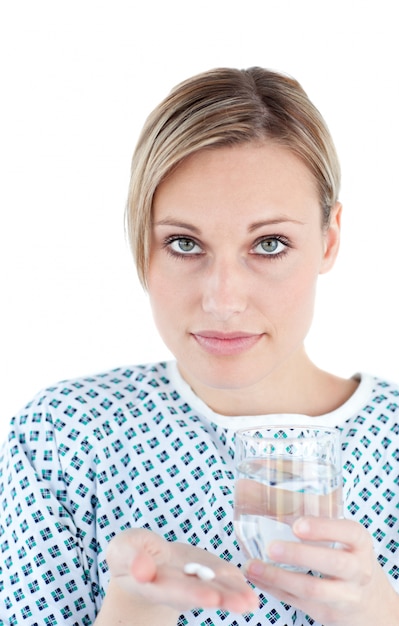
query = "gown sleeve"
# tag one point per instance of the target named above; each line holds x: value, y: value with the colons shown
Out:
x: 44, y: 571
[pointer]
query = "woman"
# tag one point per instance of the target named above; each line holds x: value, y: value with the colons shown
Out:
x: 113, y: 485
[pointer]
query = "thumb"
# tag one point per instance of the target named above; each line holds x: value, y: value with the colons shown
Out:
x: 143, y: 567
x: 129, y: 554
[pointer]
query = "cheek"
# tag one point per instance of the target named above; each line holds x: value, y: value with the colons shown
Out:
x: 159, y: 292
x: 292, y: 298
x: 169, y: 298
x: 171, y: 281
x: 303, y: 303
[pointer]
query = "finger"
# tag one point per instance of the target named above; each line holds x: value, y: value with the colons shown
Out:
x: 324, y: 600
x: 332, y: 562
x: 268, y: 576
x: 135, y: 552
x: 240, y: 599
x: 345, y: 532
x: 143, y: 567
x: 236, y: 593
x: 175, y: 588
x: 301, y: 590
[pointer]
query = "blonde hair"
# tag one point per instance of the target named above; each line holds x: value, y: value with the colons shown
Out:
x: 224, y: 107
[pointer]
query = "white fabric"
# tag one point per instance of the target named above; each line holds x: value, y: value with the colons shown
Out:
x: 135, y: 447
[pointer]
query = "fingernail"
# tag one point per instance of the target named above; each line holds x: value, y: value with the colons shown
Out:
x: 254, y: 568
x: 301, y: 526
x: 275, y: 549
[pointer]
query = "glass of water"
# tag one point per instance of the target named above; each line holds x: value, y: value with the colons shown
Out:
x: 284, y: 472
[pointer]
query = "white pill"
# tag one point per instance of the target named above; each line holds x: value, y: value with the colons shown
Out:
x: 205, y: 573
x: 191, y: 568
x: 201, y: 571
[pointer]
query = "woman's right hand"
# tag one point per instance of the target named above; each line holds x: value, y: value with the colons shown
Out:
x: 147, y: 572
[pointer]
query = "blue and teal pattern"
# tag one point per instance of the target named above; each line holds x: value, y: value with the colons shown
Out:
x: 128, y: 448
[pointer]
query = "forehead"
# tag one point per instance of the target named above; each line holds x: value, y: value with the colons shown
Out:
x: 248, y: 178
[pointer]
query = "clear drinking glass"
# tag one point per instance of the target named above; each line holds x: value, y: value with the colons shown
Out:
x: 284, y: 472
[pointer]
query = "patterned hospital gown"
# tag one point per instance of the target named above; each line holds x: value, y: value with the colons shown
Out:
x: 134, y: 447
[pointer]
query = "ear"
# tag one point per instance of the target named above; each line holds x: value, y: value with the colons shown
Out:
x: 331, y: 238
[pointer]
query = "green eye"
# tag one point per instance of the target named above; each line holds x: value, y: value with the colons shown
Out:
x: 186, y: 245
x: 269, y: 245
x: 183, y: 246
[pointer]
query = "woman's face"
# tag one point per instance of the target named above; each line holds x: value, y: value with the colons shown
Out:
x: 237, y: 246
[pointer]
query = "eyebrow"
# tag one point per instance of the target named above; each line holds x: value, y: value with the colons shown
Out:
x: 169, y: 221
x: 281, y: 219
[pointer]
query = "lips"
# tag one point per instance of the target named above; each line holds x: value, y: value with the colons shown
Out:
x: 226, y: 344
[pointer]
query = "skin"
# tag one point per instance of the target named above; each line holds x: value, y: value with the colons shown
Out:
x: 148, y: 584
x: 237, y: 248
x: 224, y: 203
x: 354, y: 590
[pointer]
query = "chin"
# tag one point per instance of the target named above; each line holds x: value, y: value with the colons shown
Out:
x: 226, y: 376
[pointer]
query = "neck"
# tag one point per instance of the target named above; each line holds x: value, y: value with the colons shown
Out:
x: 299, y: 388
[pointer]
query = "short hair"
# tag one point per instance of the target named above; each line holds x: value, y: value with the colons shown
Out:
x: 226, y: 107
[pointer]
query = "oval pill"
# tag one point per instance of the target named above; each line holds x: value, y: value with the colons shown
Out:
x: 201, y: 571
x: 205, y: 573
x: 191, y: 568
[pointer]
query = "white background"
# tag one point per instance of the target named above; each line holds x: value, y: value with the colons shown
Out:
x: 77, y: 80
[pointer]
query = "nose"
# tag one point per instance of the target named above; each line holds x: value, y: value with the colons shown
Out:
x: 224, y: 292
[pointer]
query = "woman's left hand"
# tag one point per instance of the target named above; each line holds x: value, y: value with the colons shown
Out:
x: 353, y: 589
